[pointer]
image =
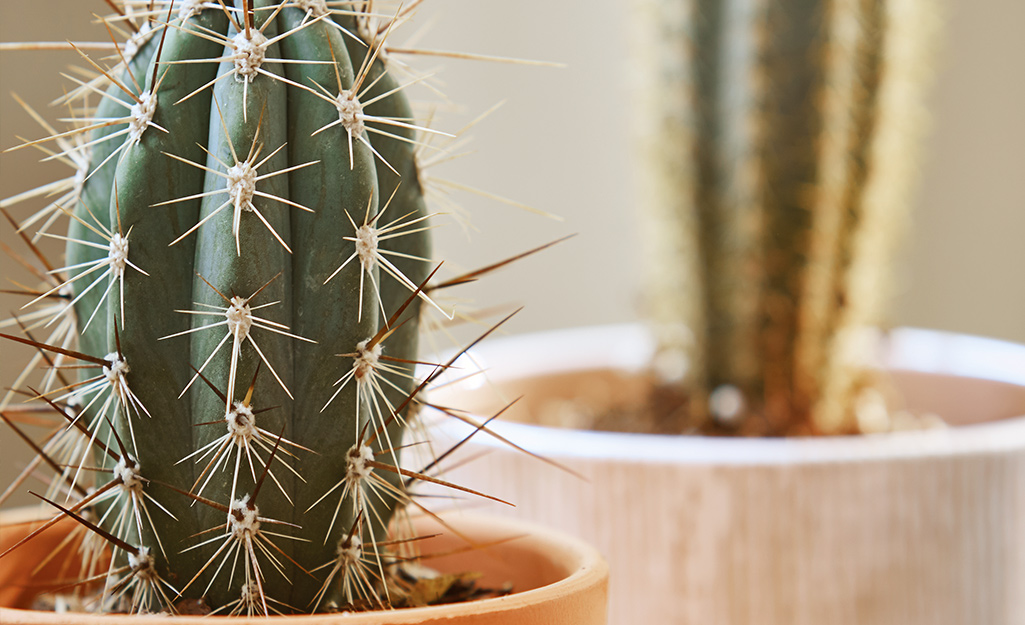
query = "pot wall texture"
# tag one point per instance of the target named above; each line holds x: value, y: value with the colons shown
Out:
x: 910, y: 528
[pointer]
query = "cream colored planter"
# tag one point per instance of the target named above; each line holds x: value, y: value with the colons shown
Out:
x: 556, y: 579
x: 919, y: 528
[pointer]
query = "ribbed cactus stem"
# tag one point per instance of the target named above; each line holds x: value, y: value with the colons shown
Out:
x: 768, y: 183
x: 247, y: 260
x: 668, y: 127
x: 901, y: 120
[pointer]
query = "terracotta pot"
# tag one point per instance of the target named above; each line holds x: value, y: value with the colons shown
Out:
x: 557, y: 579
x: 911, y: 528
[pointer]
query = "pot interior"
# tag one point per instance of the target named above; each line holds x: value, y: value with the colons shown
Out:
x: 574, y: 399
x: 520, y: 557
x: 565, y: 378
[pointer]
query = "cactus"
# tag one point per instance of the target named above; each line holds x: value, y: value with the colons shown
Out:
x: 778, y: 147
x: 247, y: 258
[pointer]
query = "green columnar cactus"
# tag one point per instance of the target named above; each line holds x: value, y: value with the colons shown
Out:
x: 245, y: 260
x: 778, y: 144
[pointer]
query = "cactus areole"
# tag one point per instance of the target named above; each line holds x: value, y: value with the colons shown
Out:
x: 245, y: 235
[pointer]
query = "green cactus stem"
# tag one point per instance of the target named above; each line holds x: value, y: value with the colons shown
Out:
x: 246, y: 262
x: 778, y: 142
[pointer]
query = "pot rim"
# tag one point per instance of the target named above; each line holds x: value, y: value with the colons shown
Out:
x: 629, y: 348
x: 587, y: 579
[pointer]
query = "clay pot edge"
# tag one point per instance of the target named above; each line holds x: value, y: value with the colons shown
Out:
x: 585, y: 583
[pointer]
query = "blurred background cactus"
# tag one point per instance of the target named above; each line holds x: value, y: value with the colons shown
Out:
x: 780, y: 143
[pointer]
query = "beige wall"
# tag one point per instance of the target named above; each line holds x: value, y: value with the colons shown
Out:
x: 561, y: 143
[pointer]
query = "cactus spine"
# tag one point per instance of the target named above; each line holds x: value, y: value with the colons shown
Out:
x: 245, y: 261
x: 778, y: 143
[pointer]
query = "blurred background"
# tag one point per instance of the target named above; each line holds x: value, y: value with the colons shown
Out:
x: 562, y: 143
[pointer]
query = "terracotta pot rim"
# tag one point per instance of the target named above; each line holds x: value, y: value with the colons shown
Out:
x: 588, y: 572
x: 629, y: 347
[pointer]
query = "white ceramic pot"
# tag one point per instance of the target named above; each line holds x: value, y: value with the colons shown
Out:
x: 910, y: 528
